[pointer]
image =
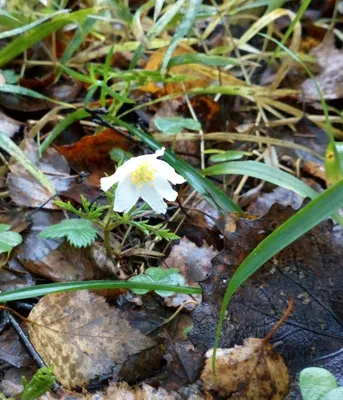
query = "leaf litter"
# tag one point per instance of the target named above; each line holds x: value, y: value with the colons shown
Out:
x: 211, y: 102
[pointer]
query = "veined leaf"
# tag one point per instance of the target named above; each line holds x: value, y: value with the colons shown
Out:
x: 42, y: 290
x: 79, y: 232
x: 305, y: 219
x: 8, y: 239
x: 159, y: 276
x: 176, y: 124
x: 14, y: 151
x: 265, y: 172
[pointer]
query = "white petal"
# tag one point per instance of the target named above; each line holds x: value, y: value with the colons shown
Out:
x: 160, y: 152
x: 126, y: 195
x: 168, y: 172
x: 121, y: 172
x: 150, y: 195
x: 164, y: 188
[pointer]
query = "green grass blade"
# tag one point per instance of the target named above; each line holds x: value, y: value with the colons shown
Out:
x: 20, y: 30
x: 14, y: 151
x: 302, y: 9
x: 182, y: 30
x: 265, y: 172
x: 60, y: 127
x: 22, y: 91
x: 333, y: 165
x: 305, y: 219
x: 31, y: 37
x: 78, y: 38
x: 42, y: 290
x: 203, y: 59
x: 199, y: 183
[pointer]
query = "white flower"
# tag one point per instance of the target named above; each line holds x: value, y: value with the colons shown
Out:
x: 145, y: 177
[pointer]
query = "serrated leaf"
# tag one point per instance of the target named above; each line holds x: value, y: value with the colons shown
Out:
x: 8, y: 239
x: 316, y: 382
x: 79, y: 232
x: 159, y: 276
x: 176, y: 124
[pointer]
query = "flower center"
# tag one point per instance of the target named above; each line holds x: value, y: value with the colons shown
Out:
x: 142, y: 174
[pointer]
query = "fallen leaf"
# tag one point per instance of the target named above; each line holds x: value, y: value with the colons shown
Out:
x: 12, y: 351
x: 26, y: 191
x: 194, y: 264
x: 11, y: 384
x: 91, y: 153
x: 309, y: 270
x: 330, y: 79
x: 253, y: 371
x: 82, y: 336
x: 8, y: 125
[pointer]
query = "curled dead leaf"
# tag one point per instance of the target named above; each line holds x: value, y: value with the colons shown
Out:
x: 253, y: 371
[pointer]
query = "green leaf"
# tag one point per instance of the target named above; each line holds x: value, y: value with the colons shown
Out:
x: 334, y: 394
x: 14, y: 151
x: 229, y: 155
x: 11, y: 77
x: 78, y: 38
x: 176, y: 124
x: 190, y: 14
x: 265, y: 172
x: 316, y: 382
x: 33, y: 36
x: 199, y: 183
x: 24, y: 28
x: 79, y: 232
x: 39, y: 384
x: 8, y: 239
x: 161, y: 277
x: 305, y: 219
x: 42, y: 290
x: 62, y: 126
x: 117, y: 154
x: 203, y: 59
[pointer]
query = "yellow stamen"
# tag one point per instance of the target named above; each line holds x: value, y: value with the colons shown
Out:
x: 142, y: 174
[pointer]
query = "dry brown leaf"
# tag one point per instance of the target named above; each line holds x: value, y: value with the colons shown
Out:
x: 330, y: 79
x: 253, y: 371
x: 194, y: 264
x: 82, y: 336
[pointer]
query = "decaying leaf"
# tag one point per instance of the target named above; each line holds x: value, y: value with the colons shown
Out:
x: 330, y: 79
x: 12, y: 351
x: 194, y: 264
x: 309, y: 270
x: 82, y: 336
x: 253, y: 371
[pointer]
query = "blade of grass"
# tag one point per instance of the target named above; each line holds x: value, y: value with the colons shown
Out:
x: 31, y: 37
x: 197, y: 58
x: 42, y: 290
x: 265, y: 172
x: 333, y: 165
x: 78, y: 38
x: 20, y: 30
x: 14, y: 151
x: 22, y: 91
x: 60, y: 127
x: 199, y: 183
x: 182, y: 30
x: 305, y: 219
x: 303, y: 7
